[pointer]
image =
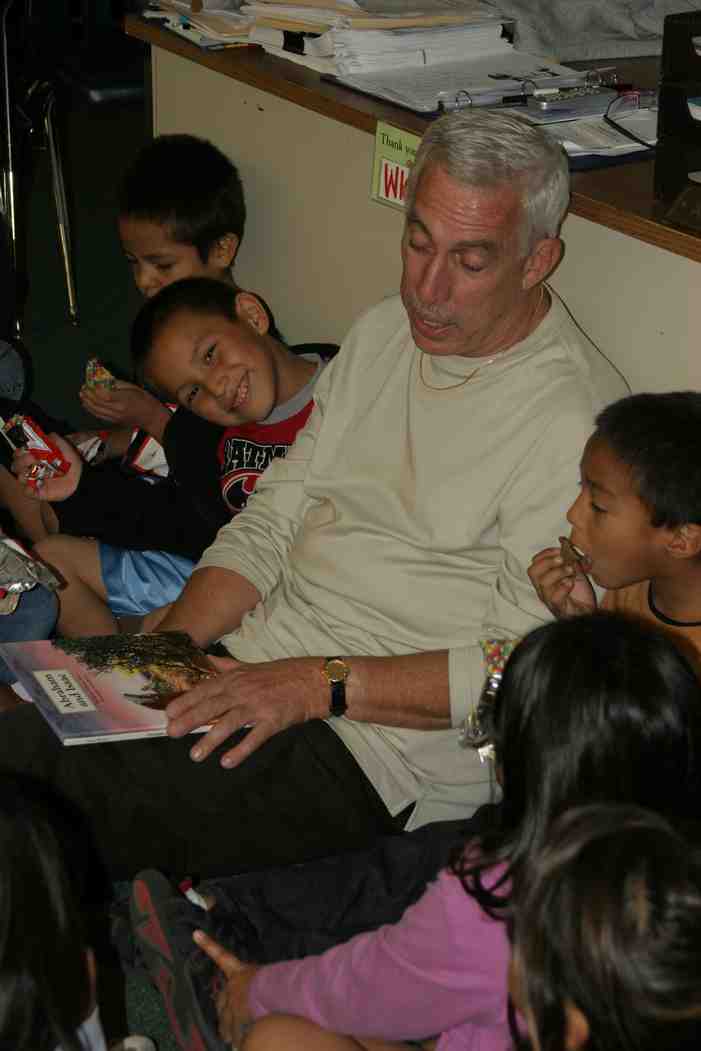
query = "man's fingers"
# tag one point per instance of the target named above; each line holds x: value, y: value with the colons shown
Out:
x: 204, y: 693
x: 223, y: 664
x: 228, y: 728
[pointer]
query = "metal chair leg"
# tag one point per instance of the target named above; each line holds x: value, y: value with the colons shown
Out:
x: 7, y: 190
x: 62, y: 216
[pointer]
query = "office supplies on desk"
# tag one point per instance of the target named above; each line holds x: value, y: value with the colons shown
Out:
x: 488, y: 81
x: 593, y: 136
x: 305, y: 14
x: 209, y: 29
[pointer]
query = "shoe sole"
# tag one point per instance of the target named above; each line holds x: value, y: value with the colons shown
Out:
x: 167, y: 970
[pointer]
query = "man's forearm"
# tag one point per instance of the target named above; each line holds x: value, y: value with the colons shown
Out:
x: 410, y: 691
x: 212, y: 604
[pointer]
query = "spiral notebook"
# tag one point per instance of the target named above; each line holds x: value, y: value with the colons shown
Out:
x: 488, y: 81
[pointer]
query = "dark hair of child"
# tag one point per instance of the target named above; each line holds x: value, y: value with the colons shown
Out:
x: 200, y: 295
x: 610, y: 922
x: 659, y: 437
x: 188, y: 185
x: 45, y: 986
x: 596, y: 708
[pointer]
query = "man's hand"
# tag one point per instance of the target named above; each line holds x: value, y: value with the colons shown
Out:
x: 563, y: 587
x: 53, y: 486
x: 268, y: 697
x: 127, y: 405
x: 232, y: 999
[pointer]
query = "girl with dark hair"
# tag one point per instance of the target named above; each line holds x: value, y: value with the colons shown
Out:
x: 590, y: 709
x: 47, y: 972
x: 607, y: 936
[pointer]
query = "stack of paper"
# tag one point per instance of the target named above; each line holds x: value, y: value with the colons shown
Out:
x: 319, y: 15
x: 208, y: 29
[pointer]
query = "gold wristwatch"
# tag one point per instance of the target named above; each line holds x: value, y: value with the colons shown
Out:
x: 336, y: 671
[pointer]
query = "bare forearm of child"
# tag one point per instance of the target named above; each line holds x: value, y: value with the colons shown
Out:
x: 212, y: 604
x: 33, y: 519
x: 158, y: 420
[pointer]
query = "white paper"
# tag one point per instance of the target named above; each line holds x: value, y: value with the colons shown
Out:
x: 484, y: 80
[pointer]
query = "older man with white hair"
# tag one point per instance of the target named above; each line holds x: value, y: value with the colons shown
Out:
x: 353, y: 591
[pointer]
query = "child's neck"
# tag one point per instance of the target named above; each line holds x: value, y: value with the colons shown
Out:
x: 294, y: 372
x: 678, y: 597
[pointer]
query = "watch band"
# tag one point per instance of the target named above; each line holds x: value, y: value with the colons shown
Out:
x: 336, y: 671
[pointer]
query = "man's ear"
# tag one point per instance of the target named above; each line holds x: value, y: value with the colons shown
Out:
x: 250, y: 310
x: 684, y: 541
x: 541, y: 262
x: 223, y: 252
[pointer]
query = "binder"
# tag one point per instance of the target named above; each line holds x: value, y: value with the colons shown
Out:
x: 502, y: 79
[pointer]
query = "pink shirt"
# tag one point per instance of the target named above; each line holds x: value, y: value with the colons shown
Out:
x: 441, y: 969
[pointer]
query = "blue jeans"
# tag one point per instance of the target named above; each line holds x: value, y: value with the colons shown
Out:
x: 34, y: 618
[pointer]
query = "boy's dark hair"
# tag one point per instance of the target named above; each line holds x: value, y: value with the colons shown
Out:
x: 201, y: 295
x: 45, y: 989
x: 659, y: 437
x: 609, y: 919
x: 587, y: 707
x: 188, y: 185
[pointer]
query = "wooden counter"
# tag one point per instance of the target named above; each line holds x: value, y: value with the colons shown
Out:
x: 619, y: 198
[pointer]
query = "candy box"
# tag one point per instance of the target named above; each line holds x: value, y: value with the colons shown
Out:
x: 21, y: 432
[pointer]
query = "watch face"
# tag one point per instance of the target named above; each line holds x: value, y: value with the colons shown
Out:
x: 336, y: 670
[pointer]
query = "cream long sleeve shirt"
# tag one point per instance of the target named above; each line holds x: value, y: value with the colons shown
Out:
x: 403, y: 519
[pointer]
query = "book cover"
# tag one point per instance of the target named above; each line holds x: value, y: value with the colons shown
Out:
x: 108, y: 687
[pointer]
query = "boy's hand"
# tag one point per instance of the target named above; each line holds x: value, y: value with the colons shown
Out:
x: 232, y: 999
x: 127, y: 405
x: 53, y: 486
x: 564, y: 588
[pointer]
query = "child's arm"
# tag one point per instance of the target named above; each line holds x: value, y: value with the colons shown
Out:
x: 562, y: 586
x: 128, y: 406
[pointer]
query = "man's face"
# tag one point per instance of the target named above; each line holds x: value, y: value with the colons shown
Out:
x: 219, y: 368
x: 462, y: 283
x: 156, y: 260
x: 611, y: 526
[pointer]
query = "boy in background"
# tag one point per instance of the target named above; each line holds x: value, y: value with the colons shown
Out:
x: 181, y: 213
x: 243, y: 395
x: 636, y: 525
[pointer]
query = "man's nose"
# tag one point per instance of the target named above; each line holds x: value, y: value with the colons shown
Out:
x: 434, y: 284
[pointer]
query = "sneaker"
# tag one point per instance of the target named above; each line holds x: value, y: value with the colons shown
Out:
x: 163, y: 922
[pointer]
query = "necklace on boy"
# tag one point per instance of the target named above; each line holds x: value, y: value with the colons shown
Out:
x: 470, y: 375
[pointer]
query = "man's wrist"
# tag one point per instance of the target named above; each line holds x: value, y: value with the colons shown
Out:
x: 336, y: 672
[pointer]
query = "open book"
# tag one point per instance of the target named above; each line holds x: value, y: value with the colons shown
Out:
x: 108, y: 687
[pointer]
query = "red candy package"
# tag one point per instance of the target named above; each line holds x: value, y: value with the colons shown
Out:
x: 21, y: 432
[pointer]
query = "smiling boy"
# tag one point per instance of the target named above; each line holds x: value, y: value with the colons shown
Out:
x: 211, y: 349
x: 637, y: 520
